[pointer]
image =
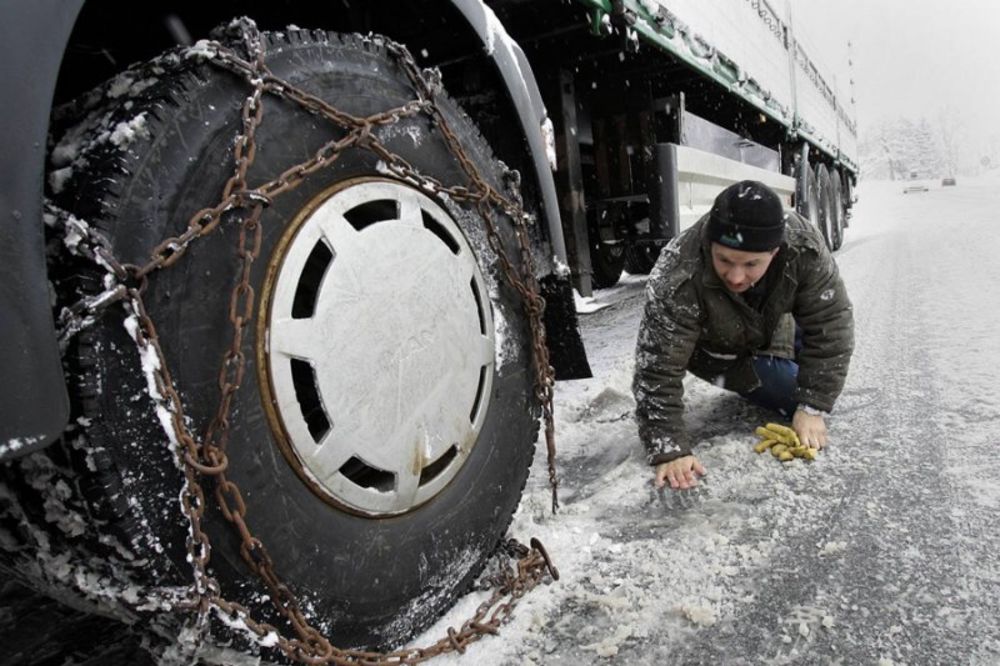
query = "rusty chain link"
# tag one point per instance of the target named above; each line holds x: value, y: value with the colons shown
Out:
x: 209, y: 458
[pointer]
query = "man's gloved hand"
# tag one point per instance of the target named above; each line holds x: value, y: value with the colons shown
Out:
x: 783, y: 443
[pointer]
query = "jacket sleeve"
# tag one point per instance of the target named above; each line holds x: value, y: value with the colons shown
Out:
x: 824, y: 312
x: 667, y: 337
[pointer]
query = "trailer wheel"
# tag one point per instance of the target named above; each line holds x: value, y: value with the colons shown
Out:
x: 608, y: 261
x: 827, y: 217
x: 848, y: 189
x: 807, y: 204
x: 640, y: 258
x: 838, y: 208
x: 386, y: 422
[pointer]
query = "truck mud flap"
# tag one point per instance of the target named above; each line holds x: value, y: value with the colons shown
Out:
x: 566, y: 352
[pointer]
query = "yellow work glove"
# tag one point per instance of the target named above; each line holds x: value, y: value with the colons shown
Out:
x: 783, y: 443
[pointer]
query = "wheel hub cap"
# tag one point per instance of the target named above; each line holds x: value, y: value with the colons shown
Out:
x: 379, y: 346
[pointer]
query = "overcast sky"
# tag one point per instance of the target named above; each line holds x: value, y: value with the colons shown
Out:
x: 913, y: 57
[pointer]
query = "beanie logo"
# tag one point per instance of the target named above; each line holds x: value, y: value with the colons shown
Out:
x: 732, y: 240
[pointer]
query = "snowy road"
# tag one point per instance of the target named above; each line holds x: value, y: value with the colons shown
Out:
x: 884, y: 551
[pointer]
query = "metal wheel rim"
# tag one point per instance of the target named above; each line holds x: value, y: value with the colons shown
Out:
x: 378, y: 345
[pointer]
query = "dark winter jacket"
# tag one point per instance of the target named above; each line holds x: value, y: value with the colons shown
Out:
x: 692, y: 322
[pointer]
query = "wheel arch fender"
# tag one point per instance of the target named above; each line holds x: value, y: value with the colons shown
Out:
x: 569, y: 356
x: 34, y: 405
x: 517, y: 75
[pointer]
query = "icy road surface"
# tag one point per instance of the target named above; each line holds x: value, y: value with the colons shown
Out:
x: 886, y: 550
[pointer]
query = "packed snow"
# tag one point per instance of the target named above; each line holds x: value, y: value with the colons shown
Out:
x: 884, y: 550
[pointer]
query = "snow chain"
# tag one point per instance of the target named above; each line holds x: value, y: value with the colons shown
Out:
x: 244, y: 205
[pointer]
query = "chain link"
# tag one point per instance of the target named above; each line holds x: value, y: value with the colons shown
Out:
x: 209, y: 458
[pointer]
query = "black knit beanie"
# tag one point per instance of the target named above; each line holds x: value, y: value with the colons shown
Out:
x: 747, y: 216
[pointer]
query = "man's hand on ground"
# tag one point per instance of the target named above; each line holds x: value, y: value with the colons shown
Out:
x: 810, y: 428
x: 681, y: 473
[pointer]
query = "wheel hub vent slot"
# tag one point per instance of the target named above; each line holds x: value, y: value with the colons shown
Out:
x: 431, y: 472
x: 371, y: 212
x: 362, y: 474
x: 438, y: 230
x: 304, y: 380
x: 304, y: 305
x: 479, y: 307
x: 479, y: 394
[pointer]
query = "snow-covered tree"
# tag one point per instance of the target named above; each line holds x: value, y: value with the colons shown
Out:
x: 900, y: 149
x: 925, y: 158
x: 950, y: 134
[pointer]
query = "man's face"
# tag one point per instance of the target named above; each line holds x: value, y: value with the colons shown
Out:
x: 740, y: 270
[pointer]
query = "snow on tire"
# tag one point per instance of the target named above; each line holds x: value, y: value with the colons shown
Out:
x: 386, y: 422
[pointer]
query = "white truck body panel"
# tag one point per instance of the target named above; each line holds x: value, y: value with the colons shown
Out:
x: 702, y: 175
x: 820, y: 108
x: 734, y: 28
x: 758, y: 37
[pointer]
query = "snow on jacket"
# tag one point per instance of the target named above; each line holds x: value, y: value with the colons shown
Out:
x: 692, y: 322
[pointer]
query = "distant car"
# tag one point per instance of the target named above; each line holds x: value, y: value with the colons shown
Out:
x: 947, y: 181
x: 914, y: 184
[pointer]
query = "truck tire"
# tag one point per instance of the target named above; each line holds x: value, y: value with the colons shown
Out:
x: 827, y: 216
x: 386, y: 423
x: 608, y: 261
x: 807, y: 203
x: 838, y: 209
x: 848, y: 201
x: 640, y: 258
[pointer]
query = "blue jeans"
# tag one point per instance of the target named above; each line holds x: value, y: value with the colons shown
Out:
x: 778, y: 381
x: 779, y: 377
